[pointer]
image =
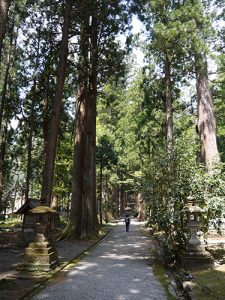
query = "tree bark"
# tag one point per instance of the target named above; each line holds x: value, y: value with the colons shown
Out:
x: 76, y: 228
x: 83, y: 219
x: 206, y: 117
x: 4, y: 8
x: 48, y: 172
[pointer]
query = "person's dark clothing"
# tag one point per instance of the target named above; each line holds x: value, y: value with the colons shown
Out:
x: 127, y: 222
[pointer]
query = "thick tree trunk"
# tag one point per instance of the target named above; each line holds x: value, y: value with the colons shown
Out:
x: 48, y: 173
x: 83, y: 220
x: 76, y: 227
x: 4, y: 8
x: 206, y: 117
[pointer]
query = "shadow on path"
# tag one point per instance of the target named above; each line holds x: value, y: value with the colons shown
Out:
x: 116, y: 269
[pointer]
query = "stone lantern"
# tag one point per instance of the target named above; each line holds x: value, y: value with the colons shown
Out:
x: 195, y: 254
x: 40, y: 255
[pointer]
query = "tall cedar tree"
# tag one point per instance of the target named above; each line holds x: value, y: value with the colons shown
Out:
x: 166, y: 54
x: 99, y: 22
x: 81, y: 219
x: 206, y: 116
x: 46, y: 193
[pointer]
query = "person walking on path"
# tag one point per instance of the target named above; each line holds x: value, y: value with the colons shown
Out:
x: 117, y: 269
x: 127, y: 222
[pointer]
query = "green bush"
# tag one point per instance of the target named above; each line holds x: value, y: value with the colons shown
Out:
x: 166, y: 186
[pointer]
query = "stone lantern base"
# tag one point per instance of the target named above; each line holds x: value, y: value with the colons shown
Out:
x: 197, y: 259
x: 39, y: 256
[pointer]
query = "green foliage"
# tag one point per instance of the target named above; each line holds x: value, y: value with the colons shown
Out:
x: 63, y: 165
x: 166, y: 194
x: 219, y: 94
x: 33, y: 76
x: 105, y: 156
x: 10, y: 223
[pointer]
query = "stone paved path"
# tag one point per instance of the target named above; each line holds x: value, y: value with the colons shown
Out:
x: 117, y: 269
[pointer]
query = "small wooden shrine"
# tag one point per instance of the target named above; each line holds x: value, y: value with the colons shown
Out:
x: 32, y: 212
x: 29, y: 219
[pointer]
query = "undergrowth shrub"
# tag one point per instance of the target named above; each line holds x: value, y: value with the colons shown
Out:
x: 166, y: 186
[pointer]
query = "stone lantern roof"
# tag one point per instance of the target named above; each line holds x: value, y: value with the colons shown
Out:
x: 191, y: 208
x: 194, y: 209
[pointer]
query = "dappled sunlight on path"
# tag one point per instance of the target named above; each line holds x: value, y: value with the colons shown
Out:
x: 116, y: 269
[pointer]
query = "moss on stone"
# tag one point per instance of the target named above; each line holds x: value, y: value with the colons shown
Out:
x: 42, y: 209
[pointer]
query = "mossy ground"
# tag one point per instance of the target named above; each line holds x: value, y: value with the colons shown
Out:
x: 209, y: 284
x: 160, y: 273
x: 10, y: 223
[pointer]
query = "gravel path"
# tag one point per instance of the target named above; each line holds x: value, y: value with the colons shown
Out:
x: 117, y: 269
